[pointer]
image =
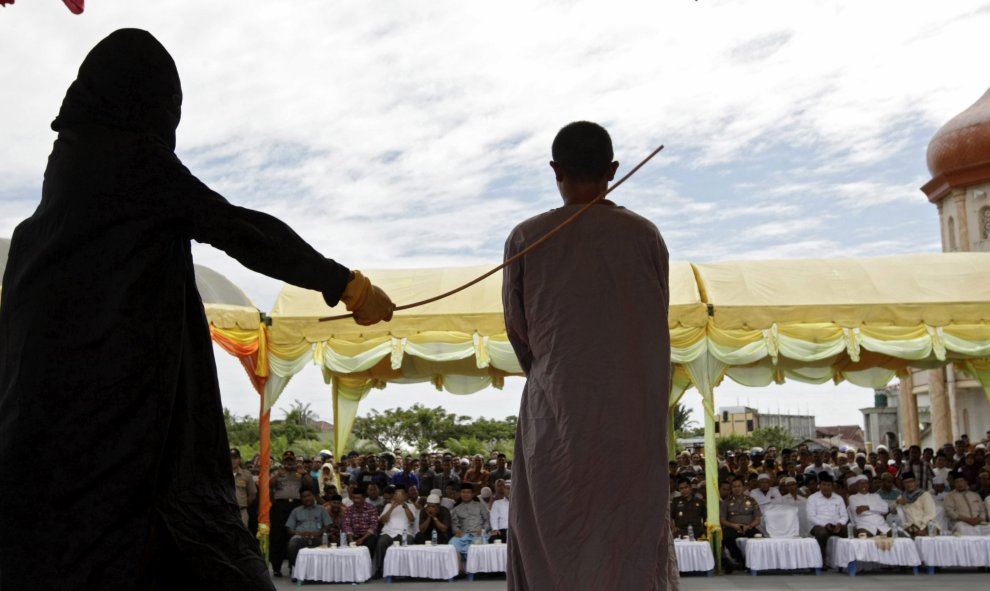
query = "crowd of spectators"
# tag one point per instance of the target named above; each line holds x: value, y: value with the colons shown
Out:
x: 838, y: 491
x: 378, y: 500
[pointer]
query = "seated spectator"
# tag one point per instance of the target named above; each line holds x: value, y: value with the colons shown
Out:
x: 810, y: 485
x: 918, y: 506
x: 724, y: 489
x: 335, y: 508
x: 413, y: 493
x: 425, y: 475
x: 469, y: 519
x: 452, y: 496
x: 740, y: 518
x: 887, y: 490
x: 860, y: 466
x: 396, y: 524
x: 686, y: 510
x: 325, y: 481
x: 938, y: 489
x: 916, y: 465
x: 827, y: 512
x: 306, y: 525
x: 941, y: 469
x: 375, y: 496
x: 499, y: 515
x: 868, y: 510
x: 965, y: 509
x: 818, y: 465
x: 432, y: 518
x: 361, y: 522
x: 983, y: 484
x: 372, y: 475
x: 790, y: 492
x: 764, y: 494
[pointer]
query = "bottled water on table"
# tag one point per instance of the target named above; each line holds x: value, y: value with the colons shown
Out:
x: 931, y: 529
x: 405, y: 540
x: 691, y: 532
x: 851, y: 529
x: 325, y: 540
x: 343, y: 539
x: 433, y: 536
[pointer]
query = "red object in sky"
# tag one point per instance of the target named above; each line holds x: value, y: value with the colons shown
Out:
x: 6, y: 2
x: 75, y: 6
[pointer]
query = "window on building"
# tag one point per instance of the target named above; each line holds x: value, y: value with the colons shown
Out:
x: 749, y: 425
x: 951, y: 229
x: 985, y: 223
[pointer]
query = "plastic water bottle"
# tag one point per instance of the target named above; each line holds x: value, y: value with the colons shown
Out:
x: 691, y: 532
x: 433, y: 536
x: 931, y: 529
x: 343, y: 539
x: 325, y: 540
x: 851, y: 529
x: 893, y: 531
x: 405, y: 540
x: 484, y: 536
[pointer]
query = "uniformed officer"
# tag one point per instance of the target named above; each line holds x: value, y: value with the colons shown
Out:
x: 740, y: 516
x: 687, y: 510
x: 285, y: 485
x: 244, y: 484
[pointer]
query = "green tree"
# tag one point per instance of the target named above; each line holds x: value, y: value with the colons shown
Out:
x: 682, y: 418
x: 732, y: 442
x: 241, y: 430
x: 299, y: 424
x: 778, y: 437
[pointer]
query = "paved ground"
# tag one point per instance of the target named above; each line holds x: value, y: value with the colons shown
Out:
x: 962, y: 580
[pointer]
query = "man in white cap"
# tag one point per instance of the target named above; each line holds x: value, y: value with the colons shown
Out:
x: 965, y: 509
x: 764, y: 494
x: 860, y: 466
x: 499, y: 516
x: 868, y: 510
x: 434, y: 518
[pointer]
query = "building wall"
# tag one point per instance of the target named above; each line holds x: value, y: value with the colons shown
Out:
x: 737, y: 421
x: 964, y: 217
x: 801, y: 426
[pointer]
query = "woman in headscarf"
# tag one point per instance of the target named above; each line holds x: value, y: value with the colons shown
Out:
x: 105, y: 352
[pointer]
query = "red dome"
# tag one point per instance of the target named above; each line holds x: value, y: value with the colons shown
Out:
x: 962, y: 142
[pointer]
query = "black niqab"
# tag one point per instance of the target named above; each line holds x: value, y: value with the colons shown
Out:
x: 114, y: 465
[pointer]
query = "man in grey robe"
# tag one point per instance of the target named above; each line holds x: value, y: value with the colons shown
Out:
x: 586, y: 313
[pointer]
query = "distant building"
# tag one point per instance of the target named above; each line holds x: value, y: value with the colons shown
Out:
x: 743, y: 420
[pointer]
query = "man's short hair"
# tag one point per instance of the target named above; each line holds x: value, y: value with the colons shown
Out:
x: 467, y: 486
x: 336, y: 498
x: 584, y: 150
x: 825, y: 477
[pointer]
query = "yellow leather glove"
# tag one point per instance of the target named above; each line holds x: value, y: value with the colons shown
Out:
x: 368, y: 303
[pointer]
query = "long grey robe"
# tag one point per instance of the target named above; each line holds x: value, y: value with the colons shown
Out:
x: 586, y: 313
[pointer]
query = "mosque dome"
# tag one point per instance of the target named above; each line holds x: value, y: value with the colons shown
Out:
x: 959, y: 153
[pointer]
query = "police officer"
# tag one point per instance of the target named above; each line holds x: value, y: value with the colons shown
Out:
x: 244, y: 486
x: 285, y: 486
x: 740, y: 516
x: 687, y: 510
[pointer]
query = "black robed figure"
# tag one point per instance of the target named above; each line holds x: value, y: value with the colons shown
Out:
x: 105, y: 354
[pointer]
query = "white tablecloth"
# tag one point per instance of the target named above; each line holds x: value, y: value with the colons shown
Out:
x: 842, y: 551
x: 424, y: 562
x: 694, y: 556
x: 781, y: 521
x: 333, y: 565
x: 781, y: 554
x: 953, y: 551
x: 486, y: 558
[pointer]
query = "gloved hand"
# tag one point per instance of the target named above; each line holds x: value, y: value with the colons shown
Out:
x: 368, y: 303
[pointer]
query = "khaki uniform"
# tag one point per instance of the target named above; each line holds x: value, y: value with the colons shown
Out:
x: 245, y: 488
x: 742, y: 509
x: 686, y: 512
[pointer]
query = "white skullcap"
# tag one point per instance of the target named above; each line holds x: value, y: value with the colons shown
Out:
x: 856, y: 479
x: 436, y: 491
x: 938, y: 480
x: 485, y: 492
x: 763, y: 477
x: 433, y: 499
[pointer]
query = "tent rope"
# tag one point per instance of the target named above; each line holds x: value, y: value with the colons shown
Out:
x: 521, y: 253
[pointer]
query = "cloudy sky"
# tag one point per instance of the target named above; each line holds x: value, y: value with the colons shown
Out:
x: 398, y: 134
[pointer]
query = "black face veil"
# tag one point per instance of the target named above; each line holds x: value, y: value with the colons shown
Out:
x: 128, y: 81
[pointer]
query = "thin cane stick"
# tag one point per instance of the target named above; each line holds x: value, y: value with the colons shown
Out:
x: 521, y: 253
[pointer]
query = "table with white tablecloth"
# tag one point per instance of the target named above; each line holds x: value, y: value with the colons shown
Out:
x: 694, y: 557
x: 333, y: 565
x: 421, y: 562
x: 486, y: 558
x: 856, y: 554
x: 781, y: 554
x: 941, y: 551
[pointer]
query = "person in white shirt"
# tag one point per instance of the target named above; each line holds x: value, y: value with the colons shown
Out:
x: 860, y: 466
x: 498, y: 518
x: 764, y: 494
x: 868, y: 510
x: 827, y: 512
x: 917, y: 504
x: 396, y: 524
